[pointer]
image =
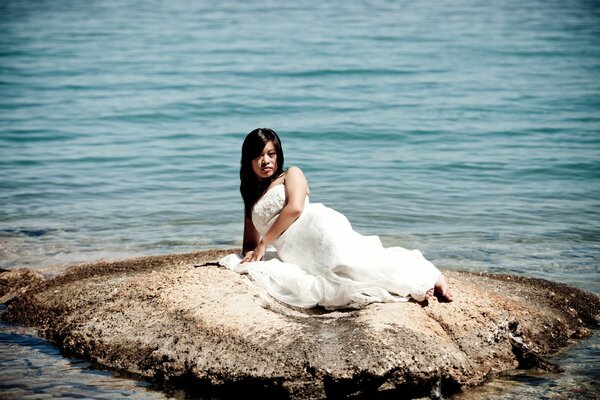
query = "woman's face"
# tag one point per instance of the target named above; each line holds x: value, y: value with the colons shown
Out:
x: 265, y: 165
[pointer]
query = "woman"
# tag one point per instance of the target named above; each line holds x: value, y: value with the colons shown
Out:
x: 320, y: 259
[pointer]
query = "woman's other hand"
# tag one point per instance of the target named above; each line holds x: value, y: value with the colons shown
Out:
x: 255, y: 255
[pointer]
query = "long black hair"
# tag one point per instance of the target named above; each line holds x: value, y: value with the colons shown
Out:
x: 251, y: 187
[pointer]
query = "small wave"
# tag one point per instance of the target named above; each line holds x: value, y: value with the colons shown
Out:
x: 358, y: 72
x: 570, y: 171
x: 29, y: 232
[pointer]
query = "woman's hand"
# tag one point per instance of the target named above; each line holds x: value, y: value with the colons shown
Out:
x: 256, y: 254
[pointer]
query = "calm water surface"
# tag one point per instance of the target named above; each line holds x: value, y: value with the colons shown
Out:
x: 467, y: 129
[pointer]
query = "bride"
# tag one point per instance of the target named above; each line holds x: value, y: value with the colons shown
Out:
x: 320, y: 259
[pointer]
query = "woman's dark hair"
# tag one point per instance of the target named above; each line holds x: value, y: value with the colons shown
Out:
x: 251, y: 187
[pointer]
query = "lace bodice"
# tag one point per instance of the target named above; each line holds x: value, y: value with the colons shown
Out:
x: 268, y: 207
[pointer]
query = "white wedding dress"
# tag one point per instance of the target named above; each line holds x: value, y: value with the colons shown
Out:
x: 321, y: 260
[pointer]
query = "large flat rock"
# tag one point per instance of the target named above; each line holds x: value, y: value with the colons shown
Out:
x: 184, y: 321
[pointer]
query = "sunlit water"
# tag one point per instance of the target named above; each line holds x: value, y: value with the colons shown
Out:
x: 467, y: 129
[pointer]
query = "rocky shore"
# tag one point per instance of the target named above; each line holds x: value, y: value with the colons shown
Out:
x: 183, y: 321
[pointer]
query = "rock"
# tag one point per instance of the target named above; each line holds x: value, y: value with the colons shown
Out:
x: 183, y: 321
x: 14, y: 282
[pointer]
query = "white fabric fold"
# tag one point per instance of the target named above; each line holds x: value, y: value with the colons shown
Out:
x: 290, y: 284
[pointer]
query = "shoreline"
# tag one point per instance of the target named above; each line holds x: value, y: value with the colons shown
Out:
x: 161, y: 318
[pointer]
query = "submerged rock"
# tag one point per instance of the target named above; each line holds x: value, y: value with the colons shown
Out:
x: 181, y: 320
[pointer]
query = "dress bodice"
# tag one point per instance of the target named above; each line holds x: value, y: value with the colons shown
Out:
x: 268, y: 207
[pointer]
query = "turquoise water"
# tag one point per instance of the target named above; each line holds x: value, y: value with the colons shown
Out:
x: 467, y: 129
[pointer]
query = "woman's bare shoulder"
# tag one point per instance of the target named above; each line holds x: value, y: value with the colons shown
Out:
x: 294, y: 179
x: 294, y: 172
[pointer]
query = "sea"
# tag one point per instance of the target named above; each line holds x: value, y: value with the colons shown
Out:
x: 468, y: 129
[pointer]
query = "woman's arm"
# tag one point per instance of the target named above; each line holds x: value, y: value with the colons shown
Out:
x: 296, y: 189
x: 251, y: 236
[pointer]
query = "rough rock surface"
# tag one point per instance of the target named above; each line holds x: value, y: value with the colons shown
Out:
x: 181, y: 320
x: 14, y: 282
